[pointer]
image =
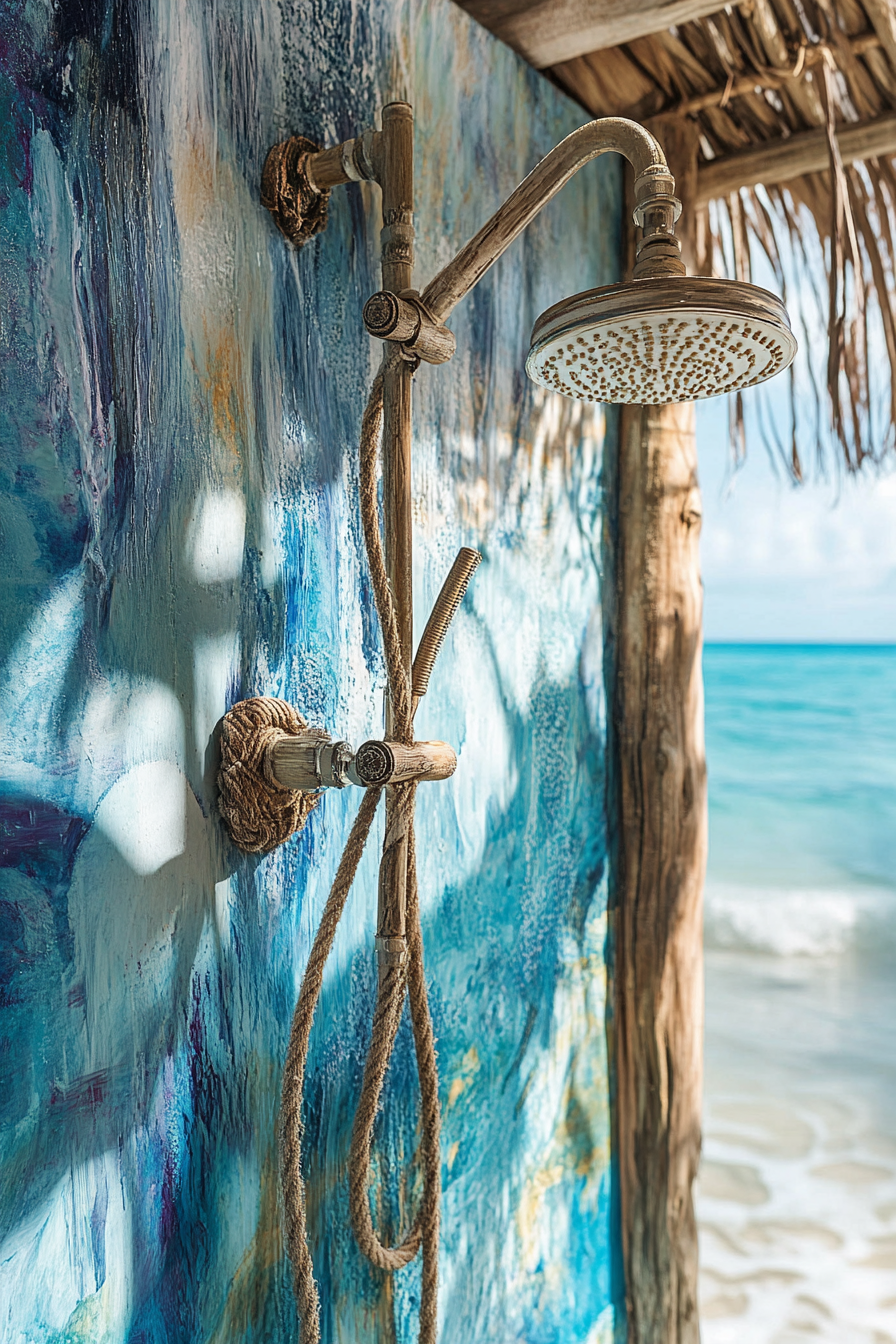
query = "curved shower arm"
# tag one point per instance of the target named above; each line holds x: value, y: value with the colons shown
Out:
x: 654, y: 186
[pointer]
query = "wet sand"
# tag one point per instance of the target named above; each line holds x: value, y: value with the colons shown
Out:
x: 797, y: 1193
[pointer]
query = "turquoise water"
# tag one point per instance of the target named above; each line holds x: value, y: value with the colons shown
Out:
x: 802, y: 753
x: 797, y: 1196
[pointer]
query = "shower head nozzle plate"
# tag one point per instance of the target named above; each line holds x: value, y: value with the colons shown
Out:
x: 658, y: 341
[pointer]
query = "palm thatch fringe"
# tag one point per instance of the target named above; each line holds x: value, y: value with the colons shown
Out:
x: 749, y: 75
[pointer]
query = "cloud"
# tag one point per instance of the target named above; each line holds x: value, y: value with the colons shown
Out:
x: 780, y: 562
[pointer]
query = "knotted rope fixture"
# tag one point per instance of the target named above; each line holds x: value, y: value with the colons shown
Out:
x: 259, y: 813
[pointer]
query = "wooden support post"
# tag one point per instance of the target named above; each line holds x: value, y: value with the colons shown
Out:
x: 776, y: 161
x: 659, y: 792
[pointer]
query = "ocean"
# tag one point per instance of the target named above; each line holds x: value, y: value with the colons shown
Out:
x: 797, y: 1193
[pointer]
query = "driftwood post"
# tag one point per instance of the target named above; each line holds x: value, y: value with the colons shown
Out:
x: 659, y: 793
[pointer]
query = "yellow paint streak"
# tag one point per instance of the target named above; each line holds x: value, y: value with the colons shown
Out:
x: 194, y: 179
x: 224, y: 383
x: 469, y: 1067
x: 456, y: 1091
x: 529, y: 1214
x: 222, y: 303
x: 251, y: 1284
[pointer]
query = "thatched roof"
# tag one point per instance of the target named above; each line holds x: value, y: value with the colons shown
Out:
x: 793, y: 105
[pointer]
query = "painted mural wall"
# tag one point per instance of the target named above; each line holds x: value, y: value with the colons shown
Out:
x: 181, y: 398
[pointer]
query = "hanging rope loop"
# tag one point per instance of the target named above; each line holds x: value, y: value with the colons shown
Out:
x: 400, y: 973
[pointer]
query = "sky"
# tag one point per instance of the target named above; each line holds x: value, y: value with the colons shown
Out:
x: 781, y: 563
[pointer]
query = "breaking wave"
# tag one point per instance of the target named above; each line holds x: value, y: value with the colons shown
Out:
x: 787, y: 922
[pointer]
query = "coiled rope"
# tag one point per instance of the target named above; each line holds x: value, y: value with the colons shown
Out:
x: 397, y: 974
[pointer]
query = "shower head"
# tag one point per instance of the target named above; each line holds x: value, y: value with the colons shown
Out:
x: 661, y: 339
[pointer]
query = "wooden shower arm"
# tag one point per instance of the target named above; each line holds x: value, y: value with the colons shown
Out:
x: 654, y: 184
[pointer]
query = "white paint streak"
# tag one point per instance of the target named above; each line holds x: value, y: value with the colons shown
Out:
x: 223, y: 897
x: 216, y: 536
x: 32, y: 685
x: 55, y: 1247
x: 215, y: 658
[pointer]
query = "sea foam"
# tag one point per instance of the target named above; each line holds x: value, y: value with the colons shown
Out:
x: 788, y: 922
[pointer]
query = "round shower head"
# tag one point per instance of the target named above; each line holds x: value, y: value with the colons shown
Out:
x: 655, y: 341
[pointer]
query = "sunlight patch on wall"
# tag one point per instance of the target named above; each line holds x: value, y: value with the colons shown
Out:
x: 216, y: 535
x: 215, y: 658
x: 75, y: 1254
x: 143, y: 815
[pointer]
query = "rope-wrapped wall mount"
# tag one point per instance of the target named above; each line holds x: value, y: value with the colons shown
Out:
x: 259, y: 812
x: 265, y: 741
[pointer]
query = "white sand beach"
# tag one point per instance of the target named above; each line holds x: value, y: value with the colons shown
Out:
x: 797, y: 1192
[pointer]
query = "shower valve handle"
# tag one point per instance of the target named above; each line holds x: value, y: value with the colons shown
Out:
x: 311, y: 761
x: 377, y: 763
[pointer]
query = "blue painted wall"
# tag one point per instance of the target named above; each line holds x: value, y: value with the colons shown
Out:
x: 182, y: 396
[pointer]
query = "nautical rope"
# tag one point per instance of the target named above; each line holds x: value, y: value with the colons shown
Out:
x: 291, y: 1126
x: 397, y: 974
x: 398, y: 676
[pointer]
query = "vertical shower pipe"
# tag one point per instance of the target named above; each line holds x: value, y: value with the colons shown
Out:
x: 397, y: 183
x: 396, y: 179
x: 398, y: 264
x: 659, y: 792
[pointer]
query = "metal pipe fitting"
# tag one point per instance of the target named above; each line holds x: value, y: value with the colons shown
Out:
x: 405, y: 319
x: 312, y: 761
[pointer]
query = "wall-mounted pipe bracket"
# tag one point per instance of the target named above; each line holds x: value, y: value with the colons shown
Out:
x: 298, y: 175
x: 257, y: 810
x: 298, y: 204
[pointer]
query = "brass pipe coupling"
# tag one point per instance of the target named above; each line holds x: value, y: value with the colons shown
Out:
x: 657, y: 211
x: 405, y: 319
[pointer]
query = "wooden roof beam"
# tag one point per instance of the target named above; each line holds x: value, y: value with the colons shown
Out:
x: 550, y: 31
x: 778, y: 161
